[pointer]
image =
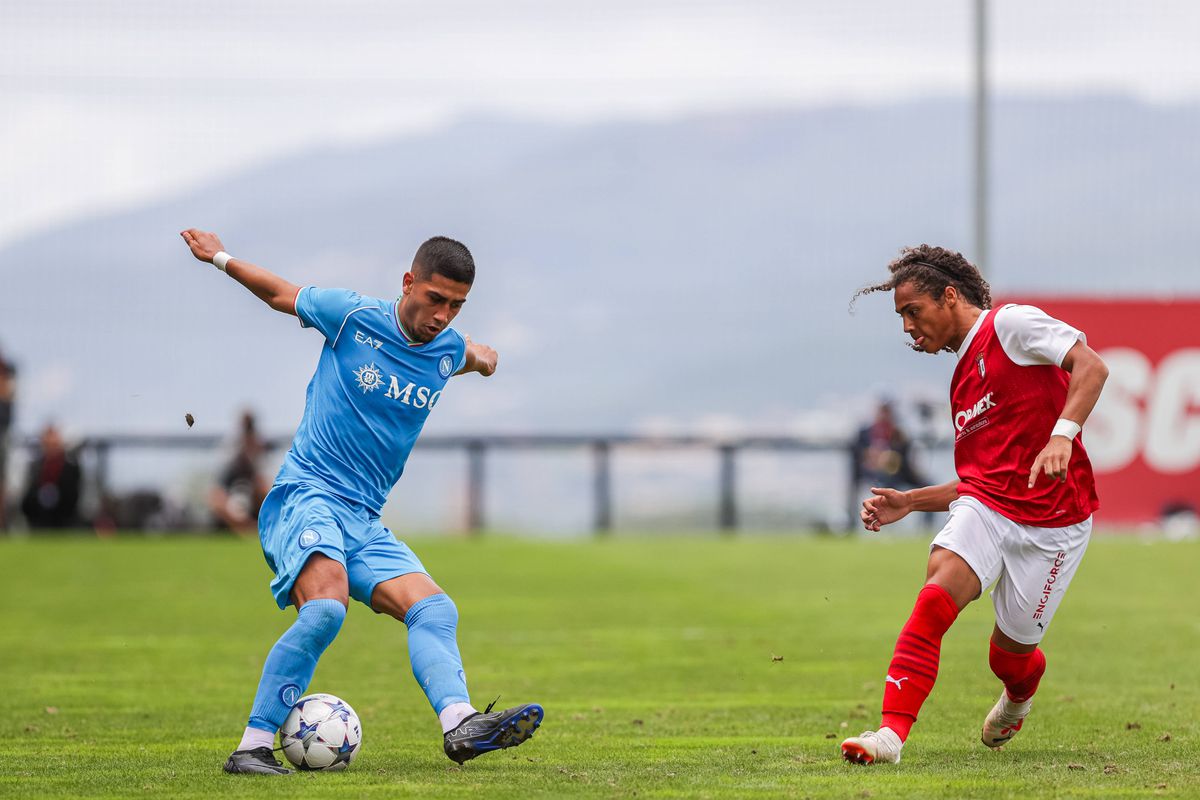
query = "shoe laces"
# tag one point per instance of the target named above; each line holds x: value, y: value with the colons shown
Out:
x: 491, y: 705
x: 271, y: 751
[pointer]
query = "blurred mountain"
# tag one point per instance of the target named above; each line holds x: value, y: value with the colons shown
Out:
x: 686, y: 273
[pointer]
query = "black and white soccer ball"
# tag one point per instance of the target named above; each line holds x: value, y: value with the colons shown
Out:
x: 321, y: 733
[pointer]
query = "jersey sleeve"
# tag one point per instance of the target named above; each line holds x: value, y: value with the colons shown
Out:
x: 326, y: 309
x: 461, y: 350
x: 1031, y: 337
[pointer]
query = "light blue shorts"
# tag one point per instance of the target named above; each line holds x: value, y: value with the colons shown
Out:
x: 297, y: 520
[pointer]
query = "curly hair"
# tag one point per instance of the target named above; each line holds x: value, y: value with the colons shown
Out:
x: 931, y: 270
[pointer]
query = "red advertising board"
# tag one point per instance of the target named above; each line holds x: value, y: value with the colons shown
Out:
x: 1144, y: 436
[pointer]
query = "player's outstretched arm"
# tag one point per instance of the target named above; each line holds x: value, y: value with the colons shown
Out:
x: 480, y: 358
x: 886, y: 506
x: 273, y: 290
x: 1088, y: 374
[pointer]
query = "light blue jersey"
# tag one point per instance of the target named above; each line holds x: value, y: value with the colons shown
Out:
x: 369, y: 398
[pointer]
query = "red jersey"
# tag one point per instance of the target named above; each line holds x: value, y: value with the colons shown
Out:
x: 1003, y: 414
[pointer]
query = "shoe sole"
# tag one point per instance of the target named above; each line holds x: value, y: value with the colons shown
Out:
x: 236, y: 771
x: 517, y: 728
x: 856, y: 754
x: 513, y: 731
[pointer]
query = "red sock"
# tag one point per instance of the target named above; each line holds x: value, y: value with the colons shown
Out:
x: 914, y: 665
x: 1020, y: 672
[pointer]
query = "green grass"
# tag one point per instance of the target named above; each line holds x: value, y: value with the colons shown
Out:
x: 128, y: 667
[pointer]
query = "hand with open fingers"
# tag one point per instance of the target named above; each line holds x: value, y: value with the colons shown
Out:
x: 884, y: 507
x: 1052, y: 461
x: 204, y: 245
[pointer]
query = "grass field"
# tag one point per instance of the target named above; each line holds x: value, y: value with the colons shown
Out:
x: 128, y: 667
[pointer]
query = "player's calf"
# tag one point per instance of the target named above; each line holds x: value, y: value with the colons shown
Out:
x: 1021, y: 674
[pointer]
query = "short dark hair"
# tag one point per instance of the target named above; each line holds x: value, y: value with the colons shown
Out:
x: 932, y: 269
x: 446, y: 257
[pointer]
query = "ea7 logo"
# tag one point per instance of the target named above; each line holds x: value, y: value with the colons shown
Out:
x: 363, y: 338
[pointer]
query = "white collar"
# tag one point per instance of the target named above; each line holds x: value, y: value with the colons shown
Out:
x: 971, y: 333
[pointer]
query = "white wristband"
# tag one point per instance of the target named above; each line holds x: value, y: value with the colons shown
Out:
x: 1067, y: 428
x: 221, y: 259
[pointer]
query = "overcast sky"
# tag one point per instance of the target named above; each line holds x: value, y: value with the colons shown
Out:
x: 104, y: 104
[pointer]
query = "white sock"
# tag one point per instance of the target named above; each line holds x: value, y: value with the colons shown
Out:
x: 256, y: 737
x: 453, y: 714
x: 891, y: 737
x: 1017, y: 709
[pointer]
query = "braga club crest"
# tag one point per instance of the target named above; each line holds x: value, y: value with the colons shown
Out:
x: 979, y: 363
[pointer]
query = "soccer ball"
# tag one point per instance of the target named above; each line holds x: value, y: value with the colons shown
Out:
x: 322, y: 732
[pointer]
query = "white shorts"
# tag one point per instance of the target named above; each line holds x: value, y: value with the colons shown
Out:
x: 1031, y: 567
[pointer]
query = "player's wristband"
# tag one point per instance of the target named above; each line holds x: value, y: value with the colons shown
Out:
x: 221, y: 259
x: 1067, y: 428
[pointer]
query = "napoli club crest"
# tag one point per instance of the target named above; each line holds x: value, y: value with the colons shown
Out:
x: 446, y: 366
x: 309, y: 538
x: 979, y: 363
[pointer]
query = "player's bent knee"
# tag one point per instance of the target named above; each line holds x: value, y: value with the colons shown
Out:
x: 319, y: 622
x: 1008, y: 644
x: 395, y: 597
x: 436, y: 610
x: 950, y: 571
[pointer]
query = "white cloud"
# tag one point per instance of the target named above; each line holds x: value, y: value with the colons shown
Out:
x: 103, y: 104
x: 46, y: 388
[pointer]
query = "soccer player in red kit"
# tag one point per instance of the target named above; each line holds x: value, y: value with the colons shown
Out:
x: 1021, y: 507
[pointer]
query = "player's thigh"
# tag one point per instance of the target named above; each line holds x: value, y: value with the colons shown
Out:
x: 972, y: 534
x: 295, y: 523
x: 1038, y: 568
x: 321, y: 577
x: 950, y: 571
x: 386, y: 575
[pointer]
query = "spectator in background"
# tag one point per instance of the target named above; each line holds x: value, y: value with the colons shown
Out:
x: 241, y: 487
x: 883, y: 452
x: 51, y: 498
x: 8, y: 393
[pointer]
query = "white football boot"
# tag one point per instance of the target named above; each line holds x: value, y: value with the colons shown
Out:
x: 873, y: 746
x: 1004, y: 720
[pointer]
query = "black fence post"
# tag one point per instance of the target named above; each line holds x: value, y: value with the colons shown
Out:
x: 853, y: 479
x: 475, y: 477
x: 727, y: 511
x: 602, y: 486
x: 100, y: 447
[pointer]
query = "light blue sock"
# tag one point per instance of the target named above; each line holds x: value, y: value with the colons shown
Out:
x: 433, y: 651
x: 292, y: 661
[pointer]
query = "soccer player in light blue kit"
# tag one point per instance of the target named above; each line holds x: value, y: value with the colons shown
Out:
x: 383, y: 368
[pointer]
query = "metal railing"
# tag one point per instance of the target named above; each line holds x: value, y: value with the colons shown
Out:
x: 98, y: 451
